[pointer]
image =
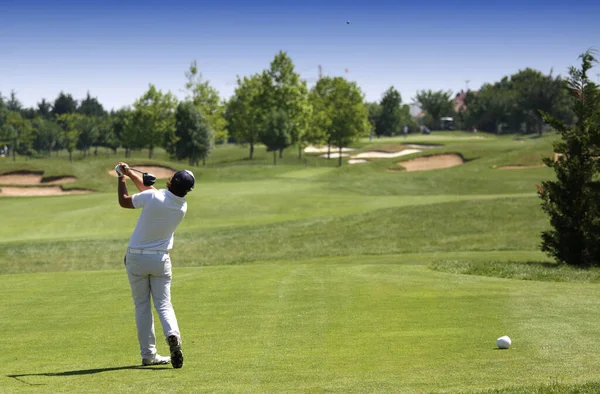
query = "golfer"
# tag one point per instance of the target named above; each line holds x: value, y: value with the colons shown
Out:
x: 147, y: 259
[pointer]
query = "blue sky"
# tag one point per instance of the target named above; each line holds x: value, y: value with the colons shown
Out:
x: 114, y: 49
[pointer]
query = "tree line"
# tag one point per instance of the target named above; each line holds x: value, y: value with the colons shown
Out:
x: 273, y: 107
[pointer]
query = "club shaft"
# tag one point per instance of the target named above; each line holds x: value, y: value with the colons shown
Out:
x: 136, y: 170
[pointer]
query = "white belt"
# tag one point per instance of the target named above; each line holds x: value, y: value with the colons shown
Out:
x: 146, y: 251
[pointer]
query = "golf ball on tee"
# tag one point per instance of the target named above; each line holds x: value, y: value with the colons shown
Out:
x: 503, y: 342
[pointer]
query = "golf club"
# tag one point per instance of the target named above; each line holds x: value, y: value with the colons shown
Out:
x: 147, y: 178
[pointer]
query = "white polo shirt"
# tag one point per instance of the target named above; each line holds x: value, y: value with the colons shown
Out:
x: 161, y: 214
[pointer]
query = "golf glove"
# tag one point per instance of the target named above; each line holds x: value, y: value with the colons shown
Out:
x: 118, y: 170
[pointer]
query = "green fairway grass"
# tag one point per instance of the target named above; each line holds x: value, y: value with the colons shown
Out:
x: 338, y: 324
x: 305, y: 277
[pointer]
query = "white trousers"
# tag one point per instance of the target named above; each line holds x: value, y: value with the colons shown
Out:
x: 150, y: 277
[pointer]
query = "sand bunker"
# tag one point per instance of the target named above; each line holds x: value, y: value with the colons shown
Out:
x: 314, y: 149
x: 26, y: 178
x: 432, y: 162
x: 557, y: 155
x: 334, y: 155
x: 360, y: 158
x: 357, y: 161
x: 158, y: 172
x: 384, y: 155
x: 416, y: 148
x: 32, y: 178
x: 38, y: 191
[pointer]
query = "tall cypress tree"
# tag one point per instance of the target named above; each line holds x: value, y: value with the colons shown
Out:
x: 572, y: 201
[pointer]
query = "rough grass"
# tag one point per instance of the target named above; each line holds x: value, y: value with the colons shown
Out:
x: 549, y: 388
x: 522, y: 270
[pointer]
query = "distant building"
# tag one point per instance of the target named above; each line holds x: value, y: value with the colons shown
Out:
x: 459, y: 101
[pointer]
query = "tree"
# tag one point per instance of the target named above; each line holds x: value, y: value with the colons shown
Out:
x: 126, y: 131
x: 64, y: 104
x: 514, y: 102
x: 44, y: 109
x: 194, y: 139
x: 90, y: 106
x: 323, y: 110
x: 154, y: 117
x: 392, y: 115
x: 206, y: 99
x: 277, y: 134
x: 245, y: 111
x: 340, y: 111
x: 389, y: 122
x: 3, y: 111
x: 107, y: 137
x: 407, y: 119
x: 492, y: 107
x: 123, y: 131
x: 436, y: 105
x: 70, y: 127
x: 13, y: 103
x: 28, y: 113
x: 18, y: 131
x: 572, y: 201
x: 284, y: 90
x: 374, y: 114
x: 314, y: 134
x: 47, y: 135
x: 535, y: 92
x: 89, y: 133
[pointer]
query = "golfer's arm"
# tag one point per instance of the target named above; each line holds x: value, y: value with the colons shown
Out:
x: 138, y: 182
x: 124, y: 197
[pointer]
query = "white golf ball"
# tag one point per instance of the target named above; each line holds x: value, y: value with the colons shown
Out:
x: 504, y: 342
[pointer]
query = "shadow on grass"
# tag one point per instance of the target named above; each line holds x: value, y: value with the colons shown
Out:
x: 465, y: 161
x: 80, y: 372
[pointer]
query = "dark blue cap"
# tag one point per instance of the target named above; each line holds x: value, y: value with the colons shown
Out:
x: 183, y: 180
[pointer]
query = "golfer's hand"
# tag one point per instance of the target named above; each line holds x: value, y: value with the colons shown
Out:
x: 119, y: 171
x: 124, y: 168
